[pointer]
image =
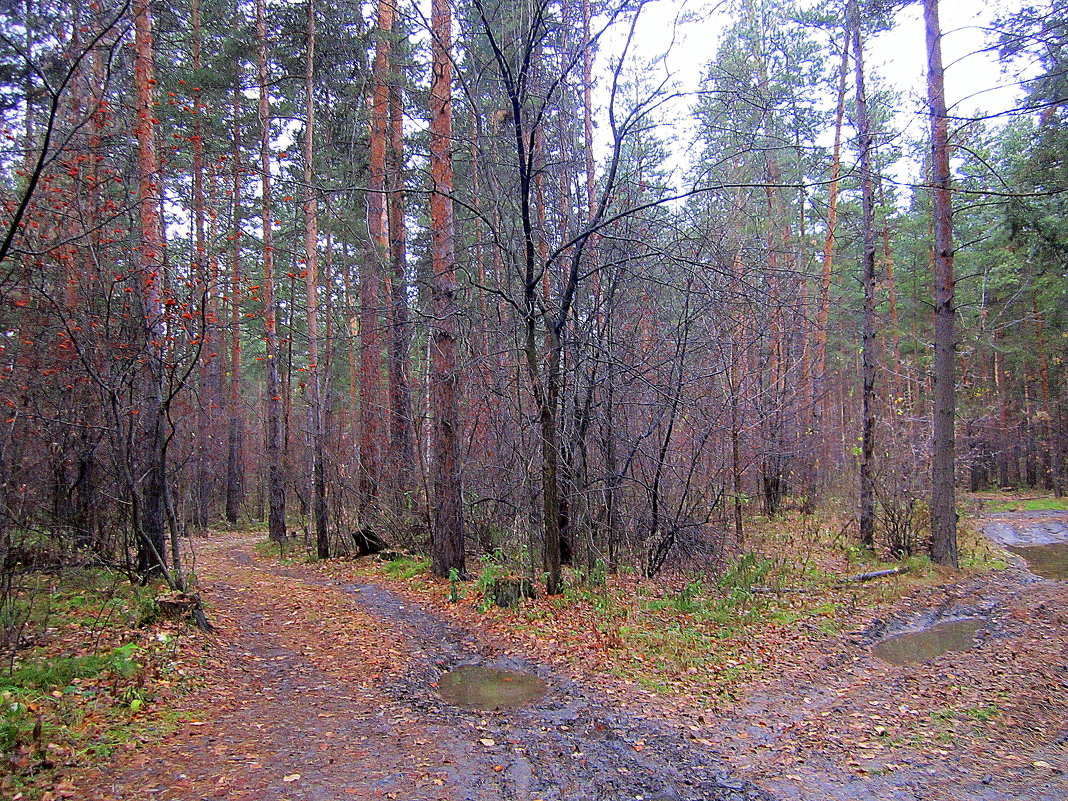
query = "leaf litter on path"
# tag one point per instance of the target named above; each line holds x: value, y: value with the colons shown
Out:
x: 329, y: 683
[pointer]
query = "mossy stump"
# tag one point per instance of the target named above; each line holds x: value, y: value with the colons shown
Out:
x: 507, y: 591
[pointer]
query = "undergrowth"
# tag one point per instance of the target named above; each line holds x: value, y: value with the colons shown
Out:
x: 406, y: 567
x: 92, y: 672
x: 704, y: 633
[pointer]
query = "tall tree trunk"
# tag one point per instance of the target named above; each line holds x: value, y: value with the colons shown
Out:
x: 205, y: 417
x: 400, y: 392
x: 943, y: 501
x: 276, y: 490
x: 1054, y: 478
x: 898, y: 373
x: 822, y: 406
x: 447, y: 547
x: 151, y: 544
x: 311, y: 285
x: 371, y: 405
x: 824, y: 312
x: 235, y: 472
x: 867, y: 446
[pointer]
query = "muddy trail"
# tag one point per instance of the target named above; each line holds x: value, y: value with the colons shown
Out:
x: 321, y: 684
x: 323, y: 690
x: 986, y: 721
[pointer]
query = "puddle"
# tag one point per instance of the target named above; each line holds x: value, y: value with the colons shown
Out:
x: 920, y: 646
x: 1048, y: 561
x: 489, y: 689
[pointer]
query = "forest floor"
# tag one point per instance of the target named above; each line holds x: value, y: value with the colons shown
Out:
x: 321, y: 684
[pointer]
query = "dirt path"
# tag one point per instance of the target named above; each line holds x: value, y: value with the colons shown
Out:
x: 320, y: 690
x: 321, y: 687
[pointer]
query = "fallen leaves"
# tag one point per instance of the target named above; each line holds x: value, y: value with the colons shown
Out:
x: 859, y: 718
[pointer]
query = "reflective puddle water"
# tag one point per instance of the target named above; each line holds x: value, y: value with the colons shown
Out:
x: 488, y: 689
x: 1048, y: 561
x: 919, y: 646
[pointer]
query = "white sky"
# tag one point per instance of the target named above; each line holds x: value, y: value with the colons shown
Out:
x: 974, y: 80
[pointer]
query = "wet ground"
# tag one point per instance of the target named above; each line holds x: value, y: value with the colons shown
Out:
x: 490, y: 689
x: 1039, y: 538
x: 929, y: 643
x: 324, y: 690
x: 975, y: 710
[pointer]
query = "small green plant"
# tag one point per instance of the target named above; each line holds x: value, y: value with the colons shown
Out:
x: 983, y: 557
x: 10, y: 725
x: 690, y: 598
x: 454, y: 585
x: 598, y: 575
x: 148, y: 610
x: 134, y: 698
x: 491, y: 570
x: 859, y: 555
x: 983, y: 714
x: 918, y: 563
x: 265, y: 548
x: 749, y: 571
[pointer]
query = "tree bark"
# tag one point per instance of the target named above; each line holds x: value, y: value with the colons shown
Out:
x: 824, y: 312
x: 205, y: 444
x: 1053, y: 476
x: 447, y: 547
x: 276, y: 491
x: 235, y: 472
x: 400, y: 392
x: 151, y: 542
x: 943, y: 501
x: 867, y: 446
x: 311, y: 285
x: 371, y: 405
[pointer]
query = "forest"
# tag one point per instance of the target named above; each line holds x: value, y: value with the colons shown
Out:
x: 340, y: 270
x: 481, y: 280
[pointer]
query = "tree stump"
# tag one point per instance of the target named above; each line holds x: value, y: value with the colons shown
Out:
x: 367, y: 541
x: 510, y: 590
x: 177, y: 605
x: 180, y: 606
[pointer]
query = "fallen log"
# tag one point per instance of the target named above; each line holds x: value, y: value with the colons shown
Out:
x: 875, y: 574
x: 775, y: 590
x: 894, y: 571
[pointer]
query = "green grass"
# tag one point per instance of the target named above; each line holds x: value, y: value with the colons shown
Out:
x: 288, y: 552
x: 56, y: 673
x: 406, y: 567
x: 1027, y: 505
x: 983, y: 714
x: 266, y: 548
x: 983, y: 557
